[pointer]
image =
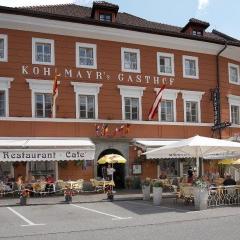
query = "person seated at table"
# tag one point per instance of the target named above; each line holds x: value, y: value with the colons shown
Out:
x: 163, y: 175
x: 49, y: 183
x: 19, y: 182
x: 229, y: 181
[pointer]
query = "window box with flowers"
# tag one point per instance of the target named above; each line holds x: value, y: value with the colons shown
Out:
x: 200, y: 194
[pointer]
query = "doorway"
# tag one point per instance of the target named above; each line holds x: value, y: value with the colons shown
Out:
x: 119, y: 174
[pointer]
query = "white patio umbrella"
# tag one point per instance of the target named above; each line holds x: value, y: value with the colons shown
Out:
x: 194, y: 147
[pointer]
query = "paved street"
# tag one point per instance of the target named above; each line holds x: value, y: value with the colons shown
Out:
x: 117, y: 220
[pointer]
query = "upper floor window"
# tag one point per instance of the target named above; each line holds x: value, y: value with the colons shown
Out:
x: 43, y: 51
x: 167, y: 107
x: 130, y: 60
x: 234, y: 108
x: 167, y: 111
x: 131, y: 108
x: 42, y: 98
x: 3, y: 48
x: 105, y: 17
x: 86, y: 56
x: 2, y: 104
x: 233, y: 73
x: 131, y: 102
x: 165, y: 64
x: 5, y: 84
x: 190, y: 67
x: 86, y: 99
x: 192, y: 106
x: 43, y: 105
x: 87, y: 106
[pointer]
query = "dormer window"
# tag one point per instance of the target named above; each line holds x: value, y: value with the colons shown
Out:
x: 195, y: 27
x: 104, y: 11
x: 105, y: 17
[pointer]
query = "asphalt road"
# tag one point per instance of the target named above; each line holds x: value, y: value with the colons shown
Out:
x: 118, y: 220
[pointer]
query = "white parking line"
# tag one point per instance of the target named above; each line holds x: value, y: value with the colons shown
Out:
x: 30, y: 223
x: 114, y: 217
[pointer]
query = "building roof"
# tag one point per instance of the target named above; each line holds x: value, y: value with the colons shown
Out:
x: 81, y: 14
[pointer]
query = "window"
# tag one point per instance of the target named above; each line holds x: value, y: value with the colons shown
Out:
x: 167, y: 110
x: 131, y: 108
x: 131, y: 102
x: 192, y: 106
x: 197, y: 32
x: 233, y: 72
x: 3, y: 48
x: 165, y: 64
x: 42, y: 168
x: 191, y: 111
x: 130, y: 60
x: 42, y: 98
x: 167, y: 107
x: 2, y: 104
x: 86, y: 56
x: 105, y: 17
x: 86, y: 99
x: 235, y: 114
x: 5, y: 84
x: 43, y: 51
x: 234, y: 108
x: 43, y: 105
x: 190, y: 67
x: 87, y: 106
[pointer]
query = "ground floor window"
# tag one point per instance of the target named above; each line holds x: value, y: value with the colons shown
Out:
x: 168, y: 168
x: 5, y: 170
x: 42, y: 168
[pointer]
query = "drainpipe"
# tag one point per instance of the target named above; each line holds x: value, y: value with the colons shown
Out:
x: 218, y: 87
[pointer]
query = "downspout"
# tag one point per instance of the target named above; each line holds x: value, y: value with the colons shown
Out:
x: 218, y: 87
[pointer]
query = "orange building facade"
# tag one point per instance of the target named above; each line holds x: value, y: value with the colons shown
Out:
x: 111, y: 67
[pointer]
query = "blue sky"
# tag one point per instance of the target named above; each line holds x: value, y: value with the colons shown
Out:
x: 223, y: 15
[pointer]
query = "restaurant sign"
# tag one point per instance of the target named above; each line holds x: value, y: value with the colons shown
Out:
x: 46, y: 155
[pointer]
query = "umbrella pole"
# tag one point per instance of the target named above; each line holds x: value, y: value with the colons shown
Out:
x: 197, y: 162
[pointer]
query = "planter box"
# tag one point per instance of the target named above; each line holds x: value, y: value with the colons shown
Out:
x: 146, y: 192
x: 200, y: 198
x: 157, y: 195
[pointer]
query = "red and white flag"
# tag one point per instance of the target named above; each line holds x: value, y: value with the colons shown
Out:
x: 157, y: 100
x: 55, y: 94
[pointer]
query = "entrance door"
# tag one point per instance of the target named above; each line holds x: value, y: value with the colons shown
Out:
x: 119, y: 174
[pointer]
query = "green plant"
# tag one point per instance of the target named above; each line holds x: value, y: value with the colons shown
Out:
x: 146, y: 182
x: 158, y: 184
x: 200, y: 183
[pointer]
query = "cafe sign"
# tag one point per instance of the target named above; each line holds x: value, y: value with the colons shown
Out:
x: 46, y: 155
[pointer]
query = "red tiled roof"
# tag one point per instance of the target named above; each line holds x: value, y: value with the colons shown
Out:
x: 76, y: 13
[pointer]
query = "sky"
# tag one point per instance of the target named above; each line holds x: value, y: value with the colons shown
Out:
x: 223, y: 15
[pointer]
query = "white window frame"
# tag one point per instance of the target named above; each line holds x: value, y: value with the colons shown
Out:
x: 238, y: 74
x: 131, y: 92
x: 168, y: 94
x: 185, y: 57
x: 5, y: 84
x: 5, y: 49
x: 235, y: 101
x: 86, y: 45
x: 192, y: 96
x: 169, y: 55
x: 43, y: 40
x: 81, y: 88
x: 40, y: 86
x: 131, y: 50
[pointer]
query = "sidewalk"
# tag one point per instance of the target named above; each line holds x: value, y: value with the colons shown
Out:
x: 120, y: 195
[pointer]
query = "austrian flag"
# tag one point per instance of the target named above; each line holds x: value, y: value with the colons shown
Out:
x: 157, y: 100
x: 55, y: 93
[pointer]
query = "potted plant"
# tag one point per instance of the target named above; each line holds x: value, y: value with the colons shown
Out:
x: 146, y: 189
x: 200, y: 194
x: 157, y: 192
x: 24, y: 194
